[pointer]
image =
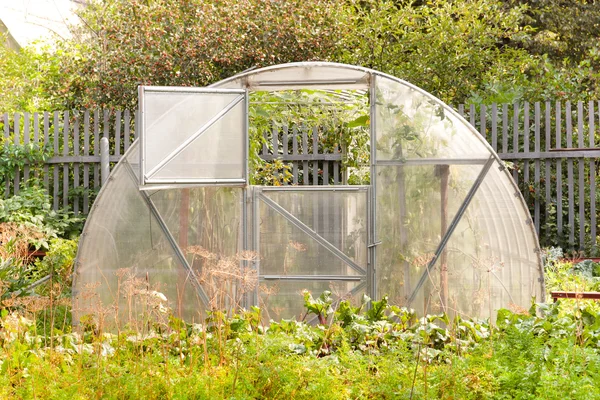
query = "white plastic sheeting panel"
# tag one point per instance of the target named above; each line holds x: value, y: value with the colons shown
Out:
x: 193, y: 135
x: 301, y: 76
x: 311, y: 239
x: 125, y: 260
x: 410, y: 124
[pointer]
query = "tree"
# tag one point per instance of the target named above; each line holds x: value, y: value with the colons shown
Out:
x: 446, y: 47
x: 23, y: 77
x: 561, y: 29
x: 194, y: 42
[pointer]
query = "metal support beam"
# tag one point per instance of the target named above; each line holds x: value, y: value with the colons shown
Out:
x: 351, y: 278
x: 452, y: 227
x: 432, y: 161
x: 372, y: 200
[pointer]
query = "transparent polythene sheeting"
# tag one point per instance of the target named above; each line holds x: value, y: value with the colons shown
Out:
x: 125, y: 261
x: 286, y: 249
x: 409, y: 124
x: 338, y: 217
x: 409, y: 219
x: 171, y: 118
x: 206, y: 217
x: 314, y: 76
x: 490, y: 258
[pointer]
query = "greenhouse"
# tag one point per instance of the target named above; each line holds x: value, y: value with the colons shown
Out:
x: 427, y: 214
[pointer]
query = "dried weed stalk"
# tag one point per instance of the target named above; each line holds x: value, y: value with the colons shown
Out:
x: 225, y: 280
x: 15, y: 240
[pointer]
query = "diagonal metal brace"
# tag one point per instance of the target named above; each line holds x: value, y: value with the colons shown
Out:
x: 318, y: 238
x: 452, y: 227
x: 170, y: 239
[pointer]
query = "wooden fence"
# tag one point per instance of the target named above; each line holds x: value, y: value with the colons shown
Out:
x: 71, y: 174
x: 311, y: 163
x: 551, y: 147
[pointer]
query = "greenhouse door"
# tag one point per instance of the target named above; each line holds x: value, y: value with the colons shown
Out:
x: 313, y: 238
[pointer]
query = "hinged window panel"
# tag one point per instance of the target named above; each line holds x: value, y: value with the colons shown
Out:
x: 193, y: 136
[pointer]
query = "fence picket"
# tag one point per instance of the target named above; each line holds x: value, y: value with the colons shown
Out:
x: 547, y: 165
x: 536, y: 166
x: 6, y: 137
x: 285, y: 147
x: 336, y: 167
x: 580, y: 175
x: 472, y: 115
x: 76, y: 165
x: 494, y: 127
x: 86, y: 166
x: 570, y: 181
x: 592, y: 162
x: 55, y: 169
x: 315, y: 163
x: 505, y: 128
x: 16, y: 141
x: 304, y: 152
x: 526, y: 149
x: 46, y: 141
x: 559, y: 212
x: 66, y: 165
x: 126, y: 130
x: 36, y: 136
x: 96, y: 148
x: 483, y: 122
x: 516, y: 138
x: 26, y: 137
x: 295, y: 152
x: 117, y: 151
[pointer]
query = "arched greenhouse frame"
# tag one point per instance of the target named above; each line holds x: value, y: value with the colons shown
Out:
x: 438, y: 226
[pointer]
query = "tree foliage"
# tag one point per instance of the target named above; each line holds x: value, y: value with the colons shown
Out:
x: 24, y: 77
x: 467, y: 50
x: 194, y: 42
x: 561, y: 29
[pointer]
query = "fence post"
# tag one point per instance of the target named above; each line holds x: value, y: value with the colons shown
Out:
x: 104, y: 157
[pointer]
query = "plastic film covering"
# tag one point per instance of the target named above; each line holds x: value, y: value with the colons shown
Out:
x: 126, y: 267
x: 283, y: 299
x: 489, y: 261
x: 310, y: 239
x: 299, y: 76
x: 206, y: 223
x: 433, y: 179
x: 191, y: 136
x: 410, y: 124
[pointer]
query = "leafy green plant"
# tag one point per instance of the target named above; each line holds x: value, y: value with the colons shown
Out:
x: 14, y: 157
x: 587, y: 268
x: 33, y: 206
x: 13, y: 278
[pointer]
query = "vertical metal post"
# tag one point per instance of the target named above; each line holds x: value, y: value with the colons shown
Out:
x: 104, y: 159
x: 256, y: 238
x: 372, y: 260
x: 444, y: 173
